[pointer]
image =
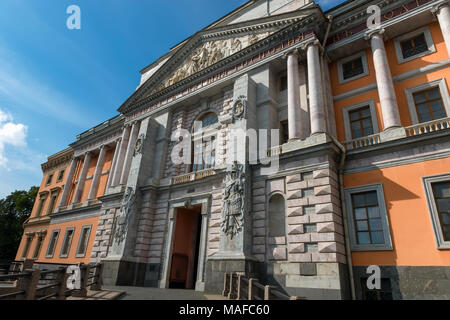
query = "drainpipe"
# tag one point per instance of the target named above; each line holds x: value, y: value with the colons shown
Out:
x: 344, y: 218
x: 330, y: 20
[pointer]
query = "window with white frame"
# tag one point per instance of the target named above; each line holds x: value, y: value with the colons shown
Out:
x: 204, y: 142
x: 353, y: 67
x: 437, y: 189
x: 360, y: 120
x: 65, y: 248
x: 367, y: 218
x: 83, y: 241
x: 52, y: 244
x: 428, y: 101
x: 413, y: 45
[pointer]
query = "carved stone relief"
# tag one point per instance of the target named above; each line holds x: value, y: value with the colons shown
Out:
x: 139, y: 144
x: 124, y: 215
x: 208, y: 54
x: 239, y: 108
x: 233, y: 201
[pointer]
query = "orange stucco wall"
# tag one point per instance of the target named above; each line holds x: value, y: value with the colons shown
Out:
x: 396, y: 69
x: 409, y: 219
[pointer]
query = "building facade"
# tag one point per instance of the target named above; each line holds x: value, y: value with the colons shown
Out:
x: 183, y: 186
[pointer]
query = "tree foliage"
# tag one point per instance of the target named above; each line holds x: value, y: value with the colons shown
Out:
x: 14, y: 211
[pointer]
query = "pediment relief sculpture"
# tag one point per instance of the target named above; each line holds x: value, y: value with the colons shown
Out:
x: 208, y: 54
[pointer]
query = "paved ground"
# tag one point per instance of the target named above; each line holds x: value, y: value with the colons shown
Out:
x: 101, y: 295
x: 139, y: 293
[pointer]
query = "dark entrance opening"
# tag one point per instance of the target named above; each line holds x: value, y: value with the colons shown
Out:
x: 185, y: 251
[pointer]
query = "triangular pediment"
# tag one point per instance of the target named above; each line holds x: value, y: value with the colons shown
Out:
x: 211, y: 48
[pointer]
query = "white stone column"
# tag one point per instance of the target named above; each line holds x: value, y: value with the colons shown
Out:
x: 293, y: 96
x: 68, y: 183
x: 316, y: 104
x: 97, y: 173
x: 130, y: 151
x: 442, y: 11
x: 82, y: 178
x: 305, y: 126
x: 121, y: 155
x: 113, y: 164
x: 386, y: 92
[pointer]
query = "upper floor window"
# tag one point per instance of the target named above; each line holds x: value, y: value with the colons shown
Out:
x: 368, y: 224
x: 83, y: 242
x: 428, y: 101
x: 27, y: 245
x: 429, y: 105
x: 352, y: 67
x: 438, y: 196
x: 284, y: 131
x: 67, y: 242
x: 52, y: 244
x: 204, y: 143
x: 414, y: 45
x: 49, y: 179
x: 283, y: 83
x: 61, y: 175
x: 360, y: 120
x: 52, y: 203
x: 41, y: 204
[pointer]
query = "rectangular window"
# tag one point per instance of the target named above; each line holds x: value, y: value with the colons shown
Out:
x: 67, y: 243
x: 352, y: 68
x: 51, y: 206
x: 361, y: 122
x: 284, y: 132
x: 61, y: 175
x: 414, y: 46
x: 438, y: 196
x: 429, y: 105
x: 49, y: 179
x: 27, y: 247
x: 40, y: 207
x: 204, y: 156
x: 83, y: 242
x: 52, y: 244
x: 37, y: 250
x: 368, y: 222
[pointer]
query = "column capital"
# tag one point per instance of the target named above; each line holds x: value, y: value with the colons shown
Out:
x: 374, y: 32
x: 313, y: 41
x: 438, y: 6
x: 292, y: 52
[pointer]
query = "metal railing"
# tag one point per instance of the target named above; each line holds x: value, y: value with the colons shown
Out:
x: 37, y: 284
x: 239, y: 287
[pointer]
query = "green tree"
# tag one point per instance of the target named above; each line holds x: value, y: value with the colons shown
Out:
x: 14, y: 210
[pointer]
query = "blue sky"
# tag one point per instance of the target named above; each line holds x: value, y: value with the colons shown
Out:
x: 56, y: 83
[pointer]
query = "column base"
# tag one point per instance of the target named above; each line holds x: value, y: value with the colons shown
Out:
x: 127, y: 273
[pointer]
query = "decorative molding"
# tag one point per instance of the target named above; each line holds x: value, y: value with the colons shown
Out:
x: 122, y: 221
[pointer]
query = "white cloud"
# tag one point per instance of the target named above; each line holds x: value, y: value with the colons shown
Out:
x: 12, y: 134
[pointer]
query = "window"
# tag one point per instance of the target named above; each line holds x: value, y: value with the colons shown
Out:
x: 283, y: 83
x: 61, y: 175
x: 438, y: 195
x: 49, y: 179
x: 429, y: 105
x: 277, y: 224
x: 368, y: 224
x: 52, y: 244
x: 27, y: 245
x: 414, y: 45
x: 352, y: 67
x: 37, y: 250
x: 360, y: 120
x: 66, y: 243
x: 51, y: 206
x: 284, y: 128
x: 40, y: 206
x: 83, y: 242
x: 204, y: 143
x: 428, y: 101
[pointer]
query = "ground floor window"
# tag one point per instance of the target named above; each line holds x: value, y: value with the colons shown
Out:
x: 67, y: 243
